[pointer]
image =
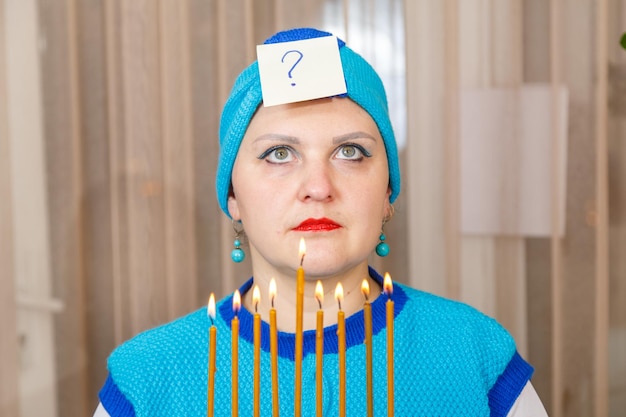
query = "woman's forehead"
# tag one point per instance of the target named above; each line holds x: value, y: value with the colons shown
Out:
x: 335, y: 108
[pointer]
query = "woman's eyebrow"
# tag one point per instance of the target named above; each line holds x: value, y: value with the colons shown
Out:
x: 353, y: 135
x: 277, y: 136
x: 294, y: 140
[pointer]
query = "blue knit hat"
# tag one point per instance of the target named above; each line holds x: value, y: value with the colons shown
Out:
x: 364, y: 87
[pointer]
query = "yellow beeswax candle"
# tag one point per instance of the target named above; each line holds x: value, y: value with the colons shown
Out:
x: 388, y: 288
x: 256, y: 297
x: 341, y: 351
x: 299, y: 331
x: 319, y: 349
x: 212, y: 346
x: 234, y: 324
x: 367, y: 323
x: 274, y: 350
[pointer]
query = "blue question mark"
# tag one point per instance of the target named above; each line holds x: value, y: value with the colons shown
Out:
x: 295, y: 63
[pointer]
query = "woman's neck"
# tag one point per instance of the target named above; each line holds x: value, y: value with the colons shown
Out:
x: 285, y: 300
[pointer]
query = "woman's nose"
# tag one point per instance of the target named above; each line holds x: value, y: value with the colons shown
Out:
x: 317, y: 182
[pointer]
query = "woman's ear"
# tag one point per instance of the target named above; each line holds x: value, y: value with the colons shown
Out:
x: 388, y: 206
x: 233, y: 207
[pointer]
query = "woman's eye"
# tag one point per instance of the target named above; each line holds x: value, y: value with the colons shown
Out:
x: 352, y: 152
x: 278, y: 155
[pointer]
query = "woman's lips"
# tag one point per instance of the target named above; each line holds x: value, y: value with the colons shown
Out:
x: 317, y: 225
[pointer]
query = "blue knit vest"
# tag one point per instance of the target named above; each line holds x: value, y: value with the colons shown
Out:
x: 450, y: 360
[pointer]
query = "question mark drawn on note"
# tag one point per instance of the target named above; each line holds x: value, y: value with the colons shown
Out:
x: 295, y: 63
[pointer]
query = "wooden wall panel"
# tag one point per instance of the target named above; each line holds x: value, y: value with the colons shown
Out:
x: 616, y: 165
x: 578, y: 246
x: 477, y: 282
x: 142, y: 165
x: 556, y: 242
x: 601, y: 324
x: 63, y: 164
x: 540, y: 316
x: 492, y: 268
x: 9, y: 362
x: 30, y: 204
x: 536, y: 64
x: 424, y: 188
x: 234, y: 53
x: 205, y: 97
x: 96, y: 199
x: 509, y: 267
x: 180, y: 248
x: 265, y: 19
x: 299, y: 13
x: 451, y: 148
x: 114, y: 183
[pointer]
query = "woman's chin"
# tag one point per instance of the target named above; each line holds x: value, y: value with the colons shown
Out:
x: 319, y: 266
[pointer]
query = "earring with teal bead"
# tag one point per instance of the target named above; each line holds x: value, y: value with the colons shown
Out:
x: 237, y: 254
x: 382, y: 249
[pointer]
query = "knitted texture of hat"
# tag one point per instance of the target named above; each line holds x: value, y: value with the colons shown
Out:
x: 364, y: 87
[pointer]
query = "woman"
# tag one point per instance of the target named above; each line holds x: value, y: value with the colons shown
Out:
x: 325, y: 170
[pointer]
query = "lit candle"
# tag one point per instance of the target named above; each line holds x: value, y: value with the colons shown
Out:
x: 299, y: 333
x: 341, y: 351
x: 274, y: 349
x: 388, y: 288
x: 234, y: 324
x: 319, y: 346
x: 367, y: 320
x: 256, y: 297
x: 212, y: 344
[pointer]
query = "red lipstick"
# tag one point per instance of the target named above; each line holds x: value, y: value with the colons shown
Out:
x: 317, y: 225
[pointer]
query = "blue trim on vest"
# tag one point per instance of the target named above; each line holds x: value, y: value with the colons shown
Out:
x: 509, y: 385
x: 113, y: 401
x: 355, y: 333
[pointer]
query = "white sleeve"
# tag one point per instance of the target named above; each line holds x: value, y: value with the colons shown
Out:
x: 528, y: 404
x: 101, y: 412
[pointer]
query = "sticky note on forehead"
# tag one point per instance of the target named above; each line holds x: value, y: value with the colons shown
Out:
x: 300, y: 70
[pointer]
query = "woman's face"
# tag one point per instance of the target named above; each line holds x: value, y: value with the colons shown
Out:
x: 316, y: 170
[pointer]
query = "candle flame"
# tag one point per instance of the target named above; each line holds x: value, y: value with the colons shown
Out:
x: 302, y: 250
x: 236, y: 301
x: 387, y: 285
x: 256, y: 297
x: 365, y: 289
x: 339, y: 294
x: 211, y: 307
x: 319, y: 293
x: 272, y: 290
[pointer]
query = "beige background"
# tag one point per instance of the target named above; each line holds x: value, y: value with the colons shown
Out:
x: 108, y: 145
